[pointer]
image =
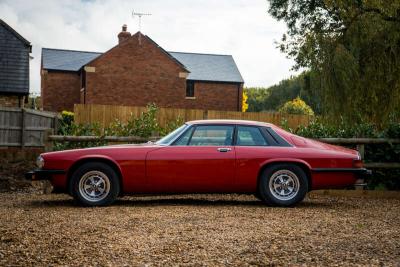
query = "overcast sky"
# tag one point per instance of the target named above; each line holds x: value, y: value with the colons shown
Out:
x: 241, y: 28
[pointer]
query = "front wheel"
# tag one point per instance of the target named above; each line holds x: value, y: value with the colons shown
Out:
x: 283, y: 185
x: 95, y: 184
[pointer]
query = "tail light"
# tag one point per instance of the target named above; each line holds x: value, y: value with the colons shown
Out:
x: 357, y: 163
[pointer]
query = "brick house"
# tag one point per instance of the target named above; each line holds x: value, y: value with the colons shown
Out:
x: 136, y: 72
x: 14, y: 67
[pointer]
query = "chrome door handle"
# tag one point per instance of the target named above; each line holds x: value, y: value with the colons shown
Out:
x: 224, y: 149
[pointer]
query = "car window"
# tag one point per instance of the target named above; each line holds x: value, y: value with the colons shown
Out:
x: 184, y: 139
x: 250, y: 136
x: 212, y: 135
x: 171, y: 136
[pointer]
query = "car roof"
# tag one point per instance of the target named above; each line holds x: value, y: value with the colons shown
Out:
x: 241, y: 122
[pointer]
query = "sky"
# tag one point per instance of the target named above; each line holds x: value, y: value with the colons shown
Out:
x: 241, y: 28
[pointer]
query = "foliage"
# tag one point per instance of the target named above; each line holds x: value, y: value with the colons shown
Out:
x: 296, y: 106
x: 352, y: 50
x: 273, y: 97
x: 145, y: 125
x: 34, y: 102
x: 66, y: 122
x: 245, y: 105
x: 382, y: 178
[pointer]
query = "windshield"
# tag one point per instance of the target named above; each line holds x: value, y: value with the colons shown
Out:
x: 166, y: 140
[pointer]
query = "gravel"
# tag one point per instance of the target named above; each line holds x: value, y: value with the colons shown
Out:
x: 42, y: 230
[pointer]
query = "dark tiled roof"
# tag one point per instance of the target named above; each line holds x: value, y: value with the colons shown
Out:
x: 67, y: 60
x: 202, y: 67
x: 209, y: 67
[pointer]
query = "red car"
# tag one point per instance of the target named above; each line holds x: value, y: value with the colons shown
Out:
x: 207, y: 156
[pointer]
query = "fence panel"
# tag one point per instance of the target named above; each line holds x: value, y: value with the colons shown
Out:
x: 106, y: 114
x: 24, y: 127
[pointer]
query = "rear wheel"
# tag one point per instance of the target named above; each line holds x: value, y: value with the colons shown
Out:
x: 283, y: 185
x: 95, y: 184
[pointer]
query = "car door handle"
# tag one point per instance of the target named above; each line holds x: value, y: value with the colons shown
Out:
x: 224, y: 149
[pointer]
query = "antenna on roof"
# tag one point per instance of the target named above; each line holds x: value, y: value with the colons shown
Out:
x: 138, y: 14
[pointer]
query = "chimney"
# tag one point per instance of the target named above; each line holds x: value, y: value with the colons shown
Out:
x: 122, y: 36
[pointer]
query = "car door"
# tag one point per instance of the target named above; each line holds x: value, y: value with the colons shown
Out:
x: 252, y: 149
x: 202, y: 160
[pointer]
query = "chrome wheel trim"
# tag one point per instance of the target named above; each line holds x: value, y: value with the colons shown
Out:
x: 284, y: 185
x: 94, y: 186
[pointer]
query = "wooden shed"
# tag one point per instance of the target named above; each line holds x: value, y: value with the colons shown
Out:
x: 14, y: 67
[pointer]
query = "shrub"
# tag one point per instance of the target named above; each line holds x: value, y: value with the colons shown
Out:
x: 296, y: 106
x: 66, y: 122
x: 145, y: 125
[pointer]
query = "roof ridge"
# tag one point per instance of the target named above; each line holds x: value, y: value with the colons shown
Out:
x: 71, y: 50
x: 19, y: 36
x: 208, y: 54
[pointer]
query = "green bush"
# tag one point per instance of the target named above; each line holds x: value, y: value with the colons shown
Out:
x: 296, y: 106
x: 146, y: 125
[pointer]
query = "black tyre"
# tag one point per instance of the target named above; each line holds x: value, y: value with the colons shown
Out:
x: 283, y: 185
x: 94, y: 184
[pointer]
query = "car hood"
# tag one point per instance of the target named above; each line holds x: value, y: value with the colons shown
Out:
x: 104, y: 149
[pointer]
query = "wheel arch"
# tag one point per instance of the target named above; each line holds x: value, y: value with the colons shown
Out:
x: 110, y: 162
x: 300, y: 163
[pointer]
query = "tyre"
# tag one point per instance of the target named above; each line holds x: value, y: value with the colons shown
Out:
x: 283, y: 185
x: 94, y: 184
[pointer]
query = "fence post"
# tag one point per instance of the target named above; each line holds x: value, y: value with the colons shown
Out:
x: 55, y: 126
x: 48, y: 144
x: 361, y: 150
x: 205, y: 114
x: 23, y: 114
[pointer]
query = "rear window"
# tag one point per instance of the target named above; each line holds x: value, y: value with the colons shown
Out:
x: 250, y: 136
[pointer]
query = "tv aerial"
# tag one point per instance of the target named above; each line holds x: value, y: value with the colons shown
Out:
x: 139, y: 15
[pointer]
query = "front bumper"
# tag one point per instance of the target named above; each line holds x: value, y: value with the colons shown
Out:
x: 40, y: 174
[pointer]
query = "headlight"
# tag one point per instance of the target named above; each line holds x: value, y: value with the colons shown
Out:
x: 40, y: 162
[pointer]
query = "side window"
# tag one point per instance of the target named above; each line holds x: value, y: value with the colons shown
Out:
x: 250, y: 136
x: 189, y: 89
x: 184, y: 139
x: 212, y: 135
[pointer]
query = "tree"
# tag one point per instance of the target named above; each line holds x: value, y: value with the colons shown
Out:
x: 296, y: 106
x: 245, y: 106
x: 351, y: 47
x: 273, y: 97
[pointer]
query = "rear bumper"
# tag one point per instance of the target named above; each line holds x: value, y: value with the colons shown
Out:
x: 36, y: 175
x: 360, y: 172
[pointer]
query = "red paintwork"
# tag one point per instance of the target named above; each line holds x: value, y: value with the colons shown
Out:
x: 191, y: 169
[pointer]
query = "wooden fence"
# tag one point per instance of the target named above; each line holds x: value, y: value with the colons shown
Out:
x: 25, y: 127
x: 106, y: 114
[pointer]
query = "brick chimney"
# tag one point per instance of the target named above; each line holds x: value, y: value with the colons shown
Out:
x: 122, y: 36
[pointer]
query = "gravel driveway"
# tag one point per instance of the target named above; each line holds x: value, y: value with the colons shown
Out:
x: 42, y: 230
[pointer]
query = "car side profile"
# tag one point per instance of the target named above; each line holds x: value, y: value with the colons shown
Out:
x: 206, y: 156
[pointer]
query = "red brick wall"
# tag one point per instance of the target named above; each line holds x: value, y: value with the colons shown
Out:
x: 60, y: 90
x: 215, y: 96
x: 135, y: 75
x: 11, y: 101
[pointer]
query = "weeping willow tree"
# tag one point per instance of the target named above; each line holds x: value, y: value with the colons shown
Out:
x: 352, y: 49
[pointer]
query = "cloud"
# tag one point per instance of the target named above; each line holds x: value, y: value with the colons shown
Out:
x: 240, y: 28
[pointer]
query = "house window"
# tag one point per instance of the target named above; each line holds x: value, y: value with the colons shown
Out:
x: 190, y: 89
x: 83, y: 79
